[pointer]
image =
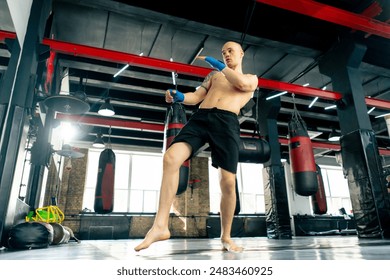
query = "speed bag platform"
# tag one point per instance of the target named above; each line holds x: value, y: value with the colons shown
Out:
x: 104, y: 192
x: 254, y: 150
x: 174, y: 122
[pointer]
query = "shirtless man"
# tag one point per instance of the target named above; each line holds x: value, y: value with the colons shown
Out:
x: 221, y: 96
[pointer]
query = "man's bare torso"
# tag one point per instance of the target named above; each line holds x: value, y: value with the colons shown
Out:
x: 223, y: 95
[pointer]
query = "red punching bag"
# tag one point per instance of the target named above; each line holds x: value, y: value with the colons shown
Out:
x: 302, y: 163
x: 104, y: 192
x: 174, y: 121
x: 318, y: 200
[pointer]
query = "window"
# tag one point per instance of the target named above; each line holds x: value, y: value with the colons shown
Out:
x: 250, y: 188
x: 336, y: 190
x: 137, y: 181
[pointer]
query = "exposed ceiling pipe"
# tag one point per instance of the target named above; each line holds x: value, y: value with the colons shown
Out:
x: 333, y: 15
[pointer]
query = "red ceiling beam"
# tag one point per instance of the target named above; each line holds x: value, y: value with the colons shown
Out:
x: 112, y: 122
x: 298, y: 89
x: 125, y: 58
x: 330, y: 146
x: 334, y: 15
x: 7, y: 35
x: 164, y: 65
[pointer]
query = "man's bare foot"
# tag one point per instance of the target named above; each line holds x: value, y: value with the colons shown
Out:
x: 229, y: 245
x: 152, y: 236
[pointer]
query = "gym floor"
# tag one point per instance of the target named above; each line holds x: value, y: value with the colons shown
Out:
x: 260, y: 248
x: 326, y: 257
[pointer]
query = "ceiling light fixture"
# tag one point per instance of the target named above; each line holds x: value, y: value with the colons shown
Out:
x: 330, y: 107
x: 121, y: 70
x: 106, y: 109
x: 372, y: 109
x: 99, y: 143
x: 276, y: 95
x: 197, y: 54
x: 334, y: 136
x: 383, y: 115
x: 314, y: 101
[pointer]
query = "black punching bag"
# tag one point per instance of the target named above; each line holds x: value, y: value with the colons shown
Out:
x: 254, y: 150
x: 174, y: 121
x: 104, y: 193
x: 302, y: 163
x: 318, y: 200
x: 238, y: 204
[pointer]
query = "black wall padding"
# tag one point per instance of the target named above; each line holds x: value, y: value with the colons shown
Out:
x: 213, y: 227
x: 369, y: 198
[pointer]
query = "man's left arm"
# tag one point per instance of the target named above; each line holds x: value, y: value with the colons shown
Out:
x: 243, y: 82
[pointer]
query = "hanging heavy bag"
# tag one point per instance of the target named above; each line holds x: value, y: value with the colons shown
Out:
x: 104, y: 192
x: 238, y: 204
x: 318, y: 200
x: 302, y: 162
x: 254, y: 150
x: 174, y: 121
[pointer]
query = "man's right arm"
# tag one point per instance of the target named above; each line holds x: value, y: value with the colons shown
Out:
x: 188, y: 98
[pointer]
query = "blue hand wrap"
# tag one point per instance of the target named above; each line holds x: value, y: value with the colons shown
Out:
x: 215, y: 63
x: 178, y: 96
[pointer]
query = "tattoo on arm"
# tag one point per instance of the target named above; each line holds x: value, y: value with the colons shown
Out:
x: 206, y: 81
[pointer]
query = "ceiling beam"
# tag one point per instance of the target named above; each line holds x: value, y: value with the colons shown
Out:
x: 333, y: 15
x: 165, y: 65
x: 112, y: 122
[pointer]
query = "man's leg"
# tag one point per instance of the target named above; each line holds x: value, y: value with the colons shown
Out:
x: 173, y: 159
x: 227, y: 182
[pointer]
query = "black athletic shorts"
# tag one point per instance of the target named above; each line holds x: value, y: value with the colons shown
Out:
x: 219, y: 128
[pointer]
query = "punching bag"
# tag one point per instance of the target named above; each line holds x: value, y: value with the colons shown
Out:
x: 104, y: 193
x: 302, y: 163
x: 174, y: 121
x: 318, y: 200
x: 254, y: 150
x: 238, y: 204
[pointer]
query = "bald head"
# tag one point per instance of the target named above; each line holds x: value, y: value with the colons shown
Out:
x: 232, y: 44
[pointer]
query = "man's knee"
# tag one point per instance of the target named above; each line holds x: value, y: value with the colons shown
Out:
x: 176, y: 154
x: 228, y: 183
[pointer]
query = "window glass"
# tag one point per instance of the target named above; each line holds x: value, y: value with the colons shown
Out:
x: 138, y: 179
x: 250, y: 187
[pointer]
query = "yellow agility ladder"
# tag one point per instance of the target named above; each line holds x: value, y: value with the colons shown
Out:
x: 48, y: 214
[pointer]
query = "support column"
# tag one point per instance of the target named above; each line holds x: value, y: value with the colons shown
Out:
x: 360, y: 155
x: 275, y: 191
x: 15, y: 121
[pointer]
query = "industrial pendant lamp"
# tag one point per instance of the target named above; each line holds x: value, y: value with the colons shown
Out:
x: 99, y: 143
x: 106, y: 109
x: 334, y: 136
